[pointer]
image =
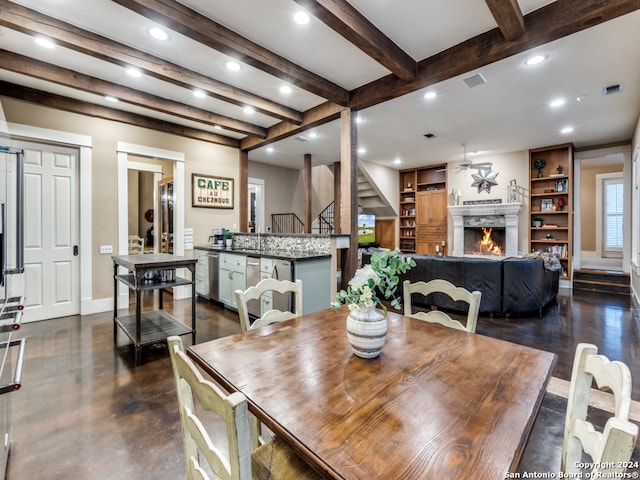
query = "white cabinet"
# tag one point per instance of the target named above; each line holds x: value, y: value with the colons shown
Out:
x: 232, y: 277
x: 202, y: 273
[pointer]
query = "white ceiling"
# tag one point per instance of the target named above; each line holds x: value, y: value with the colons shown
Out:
x: 508, y: 113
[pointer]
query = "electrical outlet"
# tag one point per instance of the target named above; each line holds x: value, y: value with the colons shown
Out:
x: 104, y: 249
x: 188, y: 231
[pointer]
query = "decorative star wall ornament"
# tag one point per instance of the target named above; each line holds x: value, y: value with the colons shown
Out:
x: 484, y: 179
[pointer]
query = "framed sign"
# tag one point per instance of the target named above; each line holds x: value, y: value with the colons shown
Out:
x: 211, y: 192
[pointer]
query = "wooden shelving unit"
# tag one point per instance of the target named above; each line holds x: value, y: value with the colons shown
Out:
x: 423, y: 210
x: 551, y: 203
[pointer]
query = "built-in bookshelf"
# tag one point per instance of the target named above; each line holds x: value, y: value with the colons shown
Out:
x: 423, y: 209
x: 551, y: 202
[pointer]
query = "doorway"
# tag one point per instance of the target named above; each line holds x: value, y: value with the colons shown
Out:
x: 256, y: 205
x: 143, y: 178
x: 595, y: 224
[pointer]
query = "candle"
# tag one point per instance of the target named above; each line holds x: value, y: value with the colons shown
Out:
x: 437, y: 249
x: 459, y: 193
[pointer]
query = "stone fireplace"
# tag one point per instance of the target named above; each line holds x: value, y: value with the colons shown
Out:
x: 468, y: 221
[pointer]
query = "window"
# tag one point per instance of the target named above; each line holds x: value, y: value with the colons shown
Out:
x: 613, y: 215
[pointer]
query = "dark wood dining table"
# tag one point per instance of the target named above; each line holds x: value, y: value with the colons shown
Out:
x: 438, y: 403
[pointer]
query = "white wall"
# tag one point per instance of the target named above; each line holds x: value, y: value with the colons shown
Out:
x: 509, y: 166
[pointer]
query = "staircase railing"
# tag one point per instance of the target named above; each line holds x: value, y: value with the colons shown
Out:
x: 286, y: 223
x: 326, y: 219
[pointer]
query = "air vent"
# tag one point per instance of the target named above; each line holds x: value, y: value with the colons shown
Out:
x: 474, y: 80
x: 611, y: 89
x: 300, y: 138
x: 429, y: 135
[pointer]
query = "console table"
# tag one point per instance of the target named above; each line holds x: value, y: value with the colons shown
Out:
x: 151, y: 272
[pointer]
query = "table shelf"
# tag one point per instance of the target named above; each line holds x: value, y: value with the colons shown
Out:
x: 130, y: 281
x: 154, y: 327
x: 150, y: 327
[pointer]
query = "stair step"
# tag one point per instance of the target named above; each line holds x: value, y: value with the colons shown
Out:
x: 609, y: 281
x: 602, y: 276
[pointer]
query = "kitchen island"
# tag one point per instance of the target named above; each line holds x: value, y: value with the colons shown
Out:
x: 144, y: 273
x: 242, y: 266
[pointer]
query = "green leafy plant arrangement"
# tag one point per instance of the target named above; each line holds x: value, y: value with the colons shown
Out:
x: 228, y: 234
x: 375, y: 282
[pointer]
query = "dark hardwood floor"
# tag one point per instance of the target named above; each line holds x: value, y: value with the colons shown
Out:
x: 86, y: 412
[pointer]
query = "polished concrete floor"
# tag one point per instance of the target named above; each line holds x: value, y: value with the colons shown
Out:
x: 86, y: 412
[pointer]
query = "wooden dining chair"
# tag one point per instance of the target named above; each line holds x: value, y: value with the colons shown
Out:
x: 274, y: 460
x: 611, y: 448
x: 136, y: 245
x: 273, y: 315
x: 437, y: 316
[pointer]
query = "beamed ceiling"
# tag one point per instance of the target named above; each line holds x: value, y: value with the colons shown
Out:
x: 374, y: 56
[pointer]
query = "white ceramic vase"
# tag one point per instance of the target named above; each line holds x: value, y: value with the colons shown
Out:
x: 366, y: 331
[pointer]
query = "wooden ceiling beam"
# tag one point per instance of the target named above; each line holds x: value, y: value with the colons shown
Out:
x: 313, y: 117
x: 179, y: 18
x: 508, y: 16
x: 69, y: 78
x: 25, y: 20
x: 66, y: 104
x: 551, y: 22
x: 346, y: 20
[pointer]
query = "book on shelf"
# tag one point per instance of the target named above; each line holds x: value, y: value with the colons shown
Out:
x: 550, y: 225
x: 558, y: 250
x: 557, y: 175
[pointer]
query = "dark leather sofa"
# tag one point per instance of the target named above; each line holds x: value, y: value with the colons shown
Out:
x: 509, y: 286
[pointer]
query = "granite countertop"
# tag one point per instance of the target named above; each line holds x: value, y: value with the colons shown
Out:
x: 295, y: 256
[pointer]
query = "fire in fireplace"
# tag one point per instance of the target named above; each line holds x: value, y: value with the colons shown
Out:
x: 484, y: 241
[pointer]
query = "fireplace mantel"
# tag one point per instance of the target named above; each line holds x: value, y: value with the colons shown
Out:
x: 510, y: 211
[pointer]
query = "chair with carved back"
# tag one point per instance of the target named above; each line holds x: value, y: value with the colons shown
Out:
x: 274, y: 460
x: 273, y: 315
x: 269, y: 317
x: 437, y: 316
x: 136, y: 245
x: 611, y: 448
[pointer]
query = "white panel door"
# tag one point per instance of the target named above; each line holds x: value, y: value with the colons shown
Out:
x: 51, y: 232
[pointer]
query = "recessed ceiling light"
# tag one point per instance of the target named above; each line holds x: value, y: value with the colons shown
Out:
x: 558, y: 102
x: 134, y: 72
x: 313, y: 135
x: 359, y: 119
x: 109, y: 98
x: 362, y: 151
x: 286, y: 89
x: 248, y: 109
x: 199, y: 93
x: 581, y: 98
x: 301, y: 18
x: 270, y: 149
x: 233, y: 66
x: 397, y: 161
x: 45, y: 42
x: 566, y: 130
x: 536, y: 59
x: 430, y: 95
x: 158, y: 33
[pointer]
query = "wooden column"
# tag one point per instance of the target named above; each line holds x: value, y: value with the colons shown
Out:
x: 337, y: 198
x: 306, y: 176
x: 349, y: 191
x: 243, y: 192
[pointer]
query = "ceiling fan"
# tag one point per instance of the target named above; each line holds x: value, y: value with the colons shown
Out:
x: 465, y: 164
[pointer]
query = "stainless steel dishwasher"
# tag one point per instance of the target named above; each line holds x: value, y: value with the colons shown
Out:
x: 214, y: 275
x: 253, y: 277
